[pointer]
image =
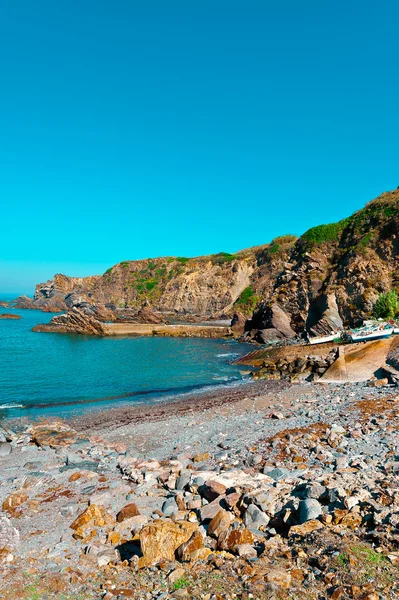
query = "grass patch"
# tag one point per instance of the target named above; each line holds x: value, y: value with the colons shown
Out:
x: 247, y: 300
x: 181, y: 583
x: 182, y: 259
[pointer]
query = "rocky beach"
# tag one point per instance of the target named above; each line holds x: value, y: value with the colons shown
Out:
x: 272, y: 490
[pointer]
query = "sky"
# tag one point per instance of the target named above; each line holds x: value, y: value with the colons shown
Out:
x: 138, y: 129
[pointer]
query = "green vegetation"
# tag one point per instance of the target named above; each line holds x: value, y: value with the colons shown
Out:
x: 324, y: 233
x: 247, y: 300
x: 108, y: 271
x: 183, y: 582
x: 124, y: 264
x: 182, y: 259
x: 223, y: 257
x: 387, y: 305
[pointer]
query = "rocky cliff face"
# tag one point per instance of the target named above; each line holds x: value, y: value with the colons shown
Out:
x: 336, y: 272
x: 205, y: 286
x: 330, y: 276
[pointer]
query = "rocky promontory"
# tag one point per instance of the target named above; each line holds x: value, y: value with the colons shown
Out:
x: 10, y: 316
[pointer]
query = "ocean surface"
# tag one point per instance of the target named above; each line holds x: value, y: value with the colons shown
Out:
x: 43, y: 374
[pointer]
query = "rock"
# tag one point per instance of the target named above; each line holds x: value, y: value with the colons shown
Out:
x: 306, y: 528
x: 10, y: 316
x: 53, y: 433
x: 220, y: 522
x: 193, y: 549
x: 128, y: 511
x: 92, y: 516
x: 160, y: 540
x: 279, y: 579
x: 5, y: 449
x: 201, y: 457
x: 236, y: 537
x: 277, y: 474
x: 74, y: 321
x: 309, y: 509
x: 209, y: 511
x: 15, y: 500
x: 254, y: 518
x: 9, y: 540
x: 212, y: 490
x: 170, y: 507
x: 246, y: 551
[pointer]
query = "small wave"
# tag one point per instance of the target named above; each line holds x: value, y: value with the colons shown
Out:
x: 232, y: 354
x: 11, y: 406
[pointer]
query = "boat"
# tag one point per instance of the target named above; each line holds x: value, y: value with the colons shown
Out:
x: 369, y: 333
x: 322, y: 339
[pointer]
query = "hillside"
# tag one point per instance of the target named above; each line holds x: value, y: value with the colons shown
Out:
x: 330, y: 276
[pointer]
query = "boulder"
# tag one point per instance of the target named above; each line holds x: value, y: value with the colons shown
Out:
x: 74, y: 321
x: 128, y: 511
x: 53, y: 434
x: 160, y: 540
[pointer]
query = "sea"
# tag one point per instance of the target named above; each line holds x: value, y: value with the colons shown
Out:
x: 64, y: 375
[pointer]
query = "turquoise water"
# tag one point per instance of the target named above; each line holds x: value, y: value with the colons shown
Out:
x: 58, y: 374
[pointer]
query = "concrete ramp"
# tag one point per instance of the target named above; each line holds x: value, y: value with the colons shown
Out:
x: 359, y: 362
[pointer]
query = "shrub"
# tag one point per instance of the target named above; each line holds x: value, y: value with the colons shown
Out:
x: 387, y: 305
x: 247, y: 300
x: 182, y: 259
x: 223, y: 257
x: 108, y: 271
x: 324, y: 233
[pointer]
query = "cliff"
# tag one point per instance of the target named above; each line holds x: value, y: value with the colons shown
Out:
x: 328, y: 277
x: 336, y: 272
x: 204, y: 286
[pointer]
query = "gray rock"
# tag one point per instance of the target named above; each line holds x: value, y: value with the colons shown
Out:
x: 5, y: 449
x: 169, y: 507
x: 309, y: 509
x: 254, y: 517
x: 277, y: 474
x: 183, y: 480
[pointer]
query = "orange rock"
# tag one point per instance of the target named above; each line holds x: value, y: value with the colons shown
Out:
x: 279, y: 579
x: 352, y: 520
x: 297, y: 574
x: 201, y: 457
x: 53, y: 434
x: 190, y: 550
x: 228, y: 540
x: 14, y: 500
x: 114, y: 537
x: 339, y: 514
x: 75, y: 476
x: 130, y: 510
x: 92, y: 516
x: 220, y: 522
x: 306, y: 528
x: 160, y: 540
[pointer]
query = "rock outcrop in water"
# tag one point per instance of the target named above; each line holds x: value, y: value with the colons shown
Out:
x: 74, y: 321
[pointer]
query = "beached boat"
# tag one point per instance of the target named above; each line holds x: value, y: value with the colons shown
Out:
x: 322, y: 339
x: 366, y: 334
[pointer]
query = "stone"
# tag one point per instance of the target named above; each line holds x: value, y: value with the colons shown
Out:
x: 160, y: 540
x: 5, y: 449
x: 9, y: 540
x: 14, y: 500
x: 54, y: 434
x: 278, y: 474
x: 309, y: 509
x: 246, y: 551
x: 279, y: 579
x: 175, y: 575
x: 210, y: 510
x: 254, y: 518
x: 128, y: 511
x: 220, y: 522
x: 229, y: 540
x: 212, y: 490
x: 201, y: 457
x: 306, y: 528
x: 170, y: 507
x: 193, y: 549
x: 92, y: 516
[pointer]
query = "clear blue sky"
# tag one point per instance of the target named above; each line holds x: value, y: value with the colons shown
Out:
x: 133, y: 129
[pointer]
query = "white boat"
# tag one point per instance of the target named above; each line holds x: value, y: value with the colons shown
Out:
x: 322, y: 339
x: 368, y: 334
